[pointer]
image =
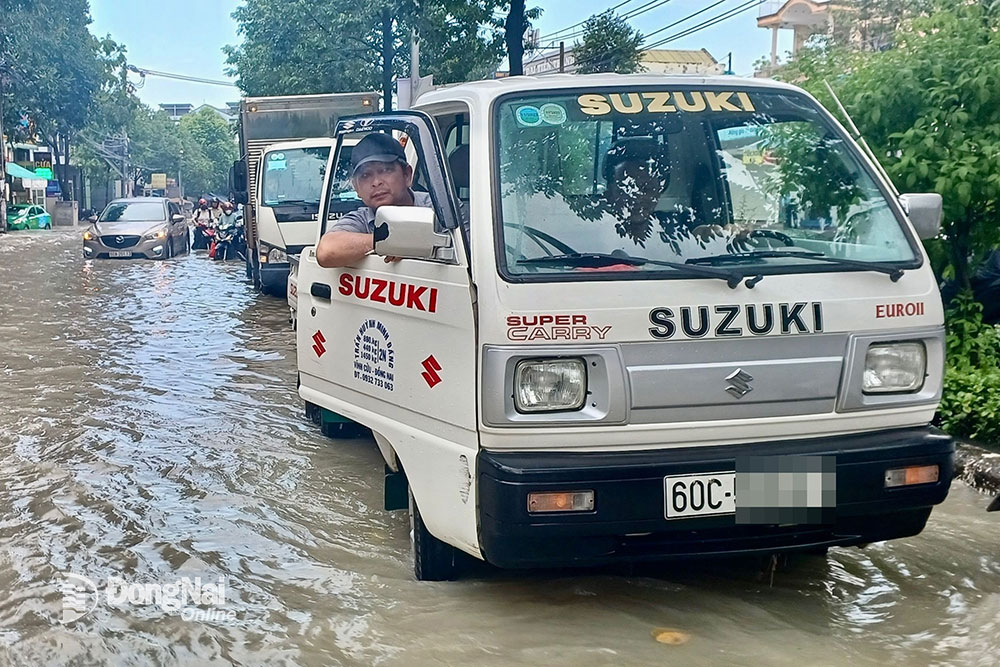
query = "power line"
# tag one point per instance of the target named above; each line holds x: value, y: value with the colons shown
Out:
x: 708, y: 23
x: 641, y: 9
x: 142, y: 71
x: 683, y: 33
x: 611, y: 9
x: 686, y: 18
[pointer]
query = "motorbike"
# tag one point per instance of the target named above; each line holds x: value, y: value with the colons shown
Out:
x: 229, y: 242
x: 202, y: 235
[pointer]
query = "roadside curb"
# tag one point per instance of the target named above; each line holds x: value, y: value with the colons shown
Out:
x: 978, y: 467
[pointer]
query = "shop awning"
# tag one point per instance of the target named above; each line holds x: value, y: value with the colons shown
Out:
x: 31, y: 180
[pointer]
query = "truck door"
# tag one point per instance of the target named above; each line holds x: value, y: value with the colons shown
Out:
x: 393, y: 345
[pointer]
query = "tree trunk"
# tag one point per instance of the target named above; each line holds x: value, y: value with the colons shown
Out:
x: 387, y: 51
x: 514, y: 36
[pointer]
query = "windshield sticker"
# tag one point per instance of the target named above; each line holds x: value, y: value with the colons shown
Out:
x: 733, y: 320
x: 553, y: 327
x: 374, y: 356
x: 276, y: 162
x: 594, y: 104
x: 528, y: 116
x: 553, y: 114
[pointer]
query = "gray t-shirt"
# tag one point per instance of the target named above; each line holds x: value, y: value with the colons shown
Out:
x: 362, y: 220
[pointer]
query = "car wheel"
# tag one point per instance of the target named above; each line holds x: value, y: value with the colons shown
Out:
x: 433, y: 560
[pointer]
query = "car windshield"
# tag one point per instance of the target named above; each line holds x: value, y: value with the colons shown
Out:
x: 684, y: 176
x: 128, y: 211
x: 294, y: 176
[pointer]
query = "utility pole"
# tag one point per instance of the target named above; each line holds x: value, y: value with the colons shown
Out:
x: 180, y: 183
x: 562, y: 57
x: 386, y: 60
x: 414, y: 61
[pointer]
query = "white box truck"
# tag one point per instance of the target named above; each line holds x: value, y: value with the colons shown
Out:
x: 280, y: 189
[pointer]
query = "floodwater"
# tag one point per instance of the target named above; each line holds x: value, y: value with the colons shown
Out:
x: 150, y: 431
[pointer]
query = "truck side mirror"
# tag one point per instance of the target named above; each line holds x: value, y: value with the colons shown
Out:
x: 408, y: 231
x: 238, y: 181
x: 924, y: 211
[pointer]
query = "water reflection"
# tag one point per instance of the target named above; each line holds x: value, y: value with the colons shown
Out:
x: 151, y: 431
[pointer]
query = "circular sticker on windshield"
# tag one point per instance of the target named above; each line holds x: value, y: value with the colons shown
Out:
x: 528, y: 116
x: 553, y: 114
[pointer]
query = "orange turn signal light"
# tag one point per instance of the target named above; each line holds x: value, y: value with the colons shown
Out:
x: 561, y: 501
x: 910, y: 475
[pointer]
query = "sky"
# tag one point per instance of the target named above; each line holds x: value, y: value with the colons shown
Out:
x: 187, y: 36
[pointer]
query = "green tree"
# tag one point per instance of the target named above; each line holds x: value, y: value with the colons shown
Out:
x: 209, y: 151
x: 930, y: 109
x: 609, y: 44
x: 54, y: 70
x: 301, y: 47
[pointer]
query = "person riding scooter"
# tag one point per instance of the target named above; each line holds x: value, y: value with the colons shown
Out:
x: 203, y: 220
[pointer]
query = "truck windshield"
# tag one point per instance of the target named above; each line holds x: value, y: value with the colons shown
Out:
x: 294, y: 177
x: 686, y: 176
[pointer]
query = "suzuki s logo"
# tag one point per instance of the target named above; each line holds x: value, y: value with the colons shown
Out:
x: 739, y: 383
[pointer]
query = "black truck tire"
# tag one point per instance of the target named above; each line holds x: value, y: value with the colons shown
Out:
x: 433, y: 560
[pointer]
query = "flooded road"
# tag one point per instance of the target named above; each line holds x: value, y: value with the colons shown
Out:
x: 150, y: 431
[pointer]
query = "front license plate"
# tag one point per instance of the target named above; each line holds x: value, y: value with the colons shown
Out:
x: 700, y: 495
x: 119, y: 253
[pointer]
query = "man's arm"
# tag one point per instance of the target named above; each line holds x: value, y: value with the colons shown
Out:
x: 342, y: 248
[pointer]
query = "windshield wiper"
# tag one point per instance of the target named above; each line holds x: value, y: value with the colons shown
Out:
x: 599, y: 259
x: 894, y: 272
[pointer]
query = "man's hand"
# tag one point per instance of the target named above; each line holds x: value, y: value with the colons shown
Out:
x: 339, y: 248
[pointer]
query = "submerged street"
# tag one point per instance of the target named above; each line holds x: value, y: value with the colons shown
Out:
x: 151, y: 430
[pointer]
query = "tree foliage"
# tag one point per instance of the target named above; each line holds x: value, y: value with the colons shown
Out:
x: 609, y: 44
x: 930, y: 109
x: 209, y: 151
x: 299, y: 46
x: 54, y: 69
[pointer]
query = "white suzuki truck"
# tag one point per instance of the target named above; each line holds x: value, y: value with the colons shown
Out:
x: 647, y: 317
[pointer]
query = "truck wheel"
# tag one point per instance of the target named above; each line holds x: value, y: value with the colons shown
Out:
x: 341, y: 430
x: 433, y: 560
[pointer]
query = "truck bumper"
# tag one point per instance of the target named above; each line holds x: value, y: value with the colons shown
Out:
x: 628, y: 521
x: 274, y: 278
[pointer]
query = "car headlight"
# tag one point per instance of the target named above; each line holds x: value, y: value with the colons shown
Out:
x: 157, y: 235
x: 89, y: 235
x: 550, y: 385
x: 895, y: 367
x: 276, y: 256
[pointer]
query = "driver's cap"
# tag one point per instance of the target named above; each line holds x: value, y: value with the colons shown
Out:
x: 376, y: 147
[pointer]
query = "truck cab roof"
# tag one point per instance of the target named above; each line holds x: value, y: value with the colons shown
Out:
x: 484, y: 92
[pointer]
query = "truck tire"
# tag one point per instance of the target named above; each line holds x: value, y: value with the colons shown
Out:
x: 433, y: 560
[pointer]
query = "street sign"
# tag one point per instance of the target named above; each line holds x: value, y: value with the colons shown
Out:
x: 158, y: 181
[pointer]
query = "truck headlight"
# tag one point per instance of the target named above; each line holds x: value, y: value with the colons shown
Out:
x: 894, y: 368
x: 550, y: 385
x: 276, y: 256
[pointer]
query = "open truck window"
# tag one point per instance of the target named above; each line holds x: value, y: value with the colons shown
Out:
x: 684, y: 176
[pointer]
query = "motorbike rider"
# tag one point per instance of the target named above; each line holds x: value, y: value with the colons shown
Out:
x: 216, y: 209
x: 202, y: 219
x: 228, y: 216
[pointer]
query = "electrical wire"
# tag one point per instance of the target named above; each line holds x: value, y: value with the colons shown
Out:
x: 562, y: 30
x: 683, y: 33
x: 707, y: 23
x: 142, y: 72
